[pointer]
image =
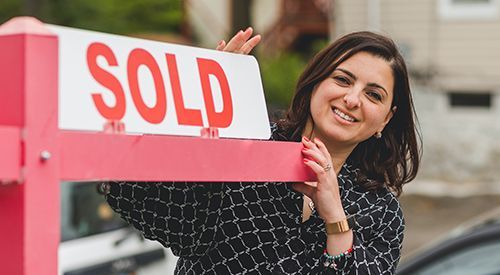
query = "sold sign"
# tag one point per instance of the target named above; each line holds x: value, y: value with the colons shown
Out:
x: 157, y: 88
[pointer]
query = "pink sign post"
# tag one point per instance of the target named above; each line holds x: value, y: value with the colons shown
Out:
x: 36, y: 155
x: 29, y: 198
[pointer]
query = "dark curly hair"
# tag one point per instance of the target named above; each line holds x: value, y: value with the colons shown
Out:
x: 390, y: 161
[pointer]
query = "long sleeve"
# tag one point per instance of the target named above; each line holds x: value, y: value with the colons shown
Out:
x: 257, y: 228
x: 377, y: 252
x: 182, y: 216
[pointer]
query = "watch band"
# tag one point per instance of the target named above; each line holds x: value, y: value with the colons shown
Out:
x: 340, y: 226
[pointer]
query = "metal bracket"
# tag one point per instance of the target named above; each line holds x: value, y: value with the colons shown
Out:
x: 114, y: 127
x: 210, y: 132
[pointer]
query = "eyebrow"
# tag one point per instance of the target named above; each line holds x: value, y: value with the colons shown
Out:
x: 371, y: 84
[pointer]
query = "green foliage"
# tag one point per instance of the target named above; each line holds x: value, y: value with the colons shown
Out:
x: 9, y: 9
x: 279, y: 76
x: 115, y: 16
x: 318, y: 45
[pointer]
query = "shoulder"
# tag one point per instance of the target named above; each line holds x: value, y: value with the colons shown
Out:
x: 380, y: 196
x: 387, y: 198
x: 392, y: 218
x: 381, y: 205
x: 391, y: 202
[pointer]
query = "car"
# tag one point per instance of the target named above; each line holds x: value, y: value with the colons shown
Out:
x: 95, y: 241
x: 473, y: 248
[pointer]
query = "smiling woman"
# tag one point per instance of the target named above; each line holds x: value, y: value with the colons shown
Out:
x: 354, y: 115
x: 390, y: 155
x: 352, y: 104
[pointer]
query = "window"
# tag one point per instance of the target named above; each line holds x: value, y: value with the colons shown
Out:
x: 469, y: 100
x: 481, y: 258
x: 468, y: 9
x: 84, y: 212
x: 470, y: 1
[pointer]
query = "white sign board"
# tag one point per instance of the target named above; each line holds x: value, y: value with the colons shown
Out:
x: 157, y: 88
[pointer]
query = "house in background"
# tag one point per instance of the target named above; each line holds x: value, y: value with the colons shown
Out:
x: 452, y: 48
x: 284, y: 24
x: 453, y: 51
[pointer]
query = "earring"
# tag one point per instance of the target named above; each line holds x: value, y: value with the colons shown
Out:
x: 378, y: 135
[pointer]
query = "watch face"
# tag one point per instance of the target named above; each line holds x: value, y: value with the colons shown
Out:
x: 341, y: 226
x: 337, y: 227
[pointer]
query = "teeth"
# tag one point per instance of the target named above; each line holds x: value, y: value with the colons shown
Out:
x: 343, y: 115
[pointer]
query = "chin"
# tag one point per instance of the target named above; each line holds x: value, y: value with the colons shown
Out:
x: 338, y: 138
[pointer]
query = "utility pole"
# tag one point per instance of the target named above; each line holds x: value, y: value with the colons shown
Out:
x: 240, y: 15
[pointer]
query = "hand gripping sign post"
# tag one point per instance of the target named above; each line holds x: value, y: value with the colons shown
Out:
x: 87, y: 106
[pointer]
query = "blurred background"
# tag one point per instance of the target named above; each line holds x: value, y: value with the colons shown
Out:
x: 452, y: 48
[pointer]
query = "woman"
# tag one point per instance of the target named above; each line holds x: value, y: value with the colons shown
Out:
x: 354, y: 114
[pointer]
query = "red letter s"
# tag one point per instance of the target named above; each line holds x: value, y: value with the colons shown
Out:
x: 107, y: 80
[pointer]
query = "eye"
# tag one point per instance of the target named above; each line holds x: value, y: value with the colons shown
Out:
x: 374, y: 95
x: 341, y: 80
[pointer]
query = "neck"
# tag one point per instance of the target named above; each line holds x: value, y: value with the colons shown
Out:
x: 339, y: 152
x: 338, y: 159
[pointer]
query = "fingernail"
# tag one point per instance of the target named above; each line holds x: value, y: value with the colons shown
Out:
x: 305, y: 138
x: 220, y: 43
x: 247, y: 29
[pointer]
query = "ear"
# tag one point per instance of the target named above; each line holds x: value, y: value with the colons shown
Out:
x: 388, y: 117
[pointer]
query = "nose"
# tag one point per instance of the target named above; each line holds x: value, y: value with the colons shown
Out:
x: 352, y: 98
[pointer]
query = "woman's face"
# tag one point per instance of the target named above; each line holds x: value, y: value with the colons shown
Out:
x: 353, y: 103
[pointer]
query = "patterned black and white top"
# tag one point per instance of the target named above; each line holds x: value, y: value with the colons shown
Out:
x: 256, y: 228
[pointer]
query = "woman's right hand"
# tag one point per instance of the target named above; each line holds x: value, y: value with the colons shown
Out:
x: 242, y: 42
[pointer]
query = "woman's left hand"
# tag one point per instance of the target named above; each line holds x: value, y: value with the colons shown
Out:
x: 325, y: 192
x: 242, y: 42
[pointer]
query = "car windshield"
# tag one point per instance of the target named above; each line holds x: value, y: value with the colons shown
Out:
x: 84, y: 212
x: 482, y: 258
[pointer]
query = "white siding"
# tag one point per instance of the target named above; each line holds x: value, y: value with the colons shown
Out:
x: 350, y: 15
x: 469, y: 54
x: 408, y: 22
x: 210, y: 20
x: 464, y: 53
x: 265, y: 13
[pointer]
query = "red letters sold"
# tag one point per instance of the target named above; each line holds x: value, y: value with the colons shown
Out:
x: 157, y: 113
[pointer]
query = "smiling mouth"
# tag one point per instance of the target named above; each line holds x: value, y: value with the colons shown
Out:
x: 343, y: 115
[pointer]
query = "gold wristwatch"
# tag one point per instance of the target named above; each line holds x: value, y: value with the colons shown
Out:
x: 340, y: 226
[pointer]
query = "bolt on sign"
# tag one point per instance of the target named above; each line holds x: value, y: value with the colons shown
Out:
x: 157, y: 88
